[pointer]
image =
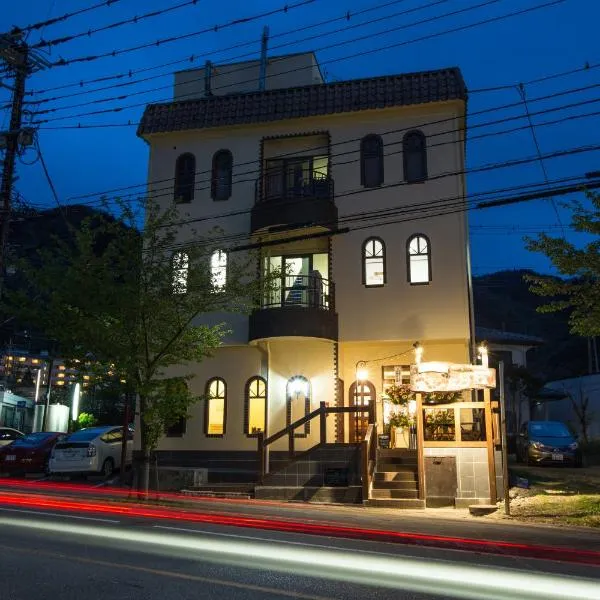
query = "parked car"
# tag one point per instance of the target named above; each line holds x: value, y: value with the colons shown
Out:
x: 547, y: 442
x: 90, y: 450
x: 8, y: 435
x: 29, y: 454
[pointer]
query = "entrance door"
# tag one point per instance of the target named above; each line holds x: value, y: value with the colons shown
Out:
x: 361, y: 394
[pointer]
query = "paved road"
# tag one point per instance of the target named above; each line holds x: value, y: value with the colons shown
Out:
x: 70, y: 556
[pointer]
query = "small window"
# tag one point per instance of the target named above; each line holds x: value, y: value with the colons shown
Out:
x: 419, y: 260
x: 371, y: 161
x: 256, y: 406
x: 216, y: 406
x: 185, y: 178
x: 414, y: 150
x: 218, y: 269
x: 177, y: 429
x: 373, y: 262
x: 180, y: 272
x: 222, y: 172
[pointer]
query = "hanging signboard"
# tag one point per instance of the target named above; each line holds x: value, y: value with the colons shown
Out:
x: 448, y: 377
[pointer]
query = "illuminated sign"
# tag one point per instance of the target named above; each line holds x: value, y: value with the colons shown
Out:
x: 448, y: 377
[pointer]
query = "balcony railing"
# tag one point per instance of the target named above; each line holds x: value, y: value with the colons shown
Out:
x: 283, y: 186
x: 308, y: 291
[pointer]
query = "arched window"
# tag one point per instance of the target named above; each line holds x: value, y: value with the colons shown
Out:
x: 176, y: 387
x: 180, y: 272
x: 371, y: 161
x: 298, y: 403
x: 361, y: 393
x: 185, y: 177
x: 418, y: 257
x: 222, y: 171
x: 373, y: 262
x: 216, y: 407
x: 414, y: 150
x: 218, y: 269
x: 255, y: 413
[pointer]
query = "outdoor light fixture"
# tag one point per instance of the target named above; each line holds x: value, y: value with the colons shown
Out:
x: 75, y: 403
x: 299, y: 386
x: 362, y: 373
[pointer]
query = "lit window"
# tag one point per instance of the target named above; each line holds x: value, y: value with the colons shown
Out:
x: 22, y: 359
x: 218, y: 269
x: 373, y: 262
x: 216, y: 398
x: 60, y: 374
x: 415, y: 157
x: 86, y: 377
x: 256, y: 405
x: 61, y: 367
x: 419, y: 260
x: 60, y: 383
x: 185, y: 178
x: 34, y: 361
x: 180, y: 272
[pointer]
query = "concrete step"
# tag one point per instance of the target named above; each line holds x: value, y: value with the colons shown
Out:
x: 393, y: 493
x: 405, y: 475
x: 402, y: 452
x: 404, y: 503
x: 395, y: 485
x: 396, y: 464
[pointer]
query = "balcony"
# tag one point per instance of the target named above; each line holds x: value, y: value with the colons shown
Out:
x: 297, y: 305
x: 286, y: 197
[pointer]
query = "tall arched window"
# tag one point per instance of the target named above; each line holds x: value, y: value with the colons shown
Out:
x: 298, y: 403
x: 215, y: 414
x: 418, y: 258
x: 185, y: 177
x: 414, y: 149
x: 371, y: 161
x: 373, y: 262
x: 255, y: 413
x: 180, y: 272
x: 218, y: 269
x: 222, y: 172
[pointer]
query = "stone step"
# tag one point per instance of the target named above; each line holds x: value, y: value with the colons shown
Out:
x: 402, y: 452
x: 402, y: 503
x: 404, y: 475
x: 391, y: 464
x: 384, y: 494
x: 395, y: 485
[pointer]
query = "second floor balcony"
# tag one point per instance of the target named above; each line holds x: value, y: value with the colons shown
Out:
x: 296, y: 305
x: 294, y: 192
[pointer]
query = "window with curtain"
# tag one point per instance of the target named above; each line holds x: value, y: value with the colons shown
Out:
x: 216, y: 407
x: 218, y: 269
x: 222, y: 173
x: 180, y: 272
x: 374, y: 262
x: 371, y: 161
x: 256, y: 406
x: 419, y: 259
x: 185, y: 178
x: 414, y: 149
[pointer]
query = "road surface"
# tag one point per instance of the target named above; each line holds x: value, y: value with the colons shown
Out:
x: 73, y: 556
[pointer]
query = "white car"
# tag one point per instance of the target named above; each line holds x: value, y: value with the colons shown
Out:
x: 8, y: 435
x: 90, y: 450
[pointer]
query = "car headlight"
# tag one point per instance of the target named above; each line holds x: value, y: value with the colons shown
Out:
x: 537, y: 445
x: 573, y: 446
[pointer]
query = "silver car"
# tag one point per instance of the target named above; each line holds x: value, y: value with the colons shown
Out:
x: 90, y: 450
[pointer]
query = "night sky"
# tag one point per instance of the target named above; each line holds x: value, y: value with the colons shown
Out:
x: 503, y: 53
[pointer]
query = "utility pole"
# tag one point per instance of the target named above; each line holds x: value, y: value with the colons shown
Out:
x: 16, y: 54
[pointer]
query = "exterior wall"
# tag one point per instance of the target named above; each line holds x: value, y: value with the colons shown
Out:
x: 239, y: 78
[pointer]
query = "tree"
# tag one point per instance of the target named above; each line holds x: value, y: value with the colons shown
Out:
x: 580, y: 291
x: 135, y: 300
x: 581, y: 407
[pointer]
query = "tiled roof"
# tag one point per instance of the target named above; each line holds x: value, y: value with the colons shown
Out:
x: 507, y: 337
x: 306, y: 101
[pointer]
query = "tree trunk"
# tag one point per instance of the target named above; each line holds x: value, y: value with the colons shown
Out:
x: 144, y: 479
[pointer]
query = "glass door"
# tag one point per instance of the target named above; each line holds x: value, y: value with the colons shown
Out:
x: 296, y: 270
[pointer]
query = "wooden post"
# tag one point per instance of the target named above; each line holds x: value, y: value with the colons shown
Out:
x: 291, y: 444
x: 260, y: 438
x: 489, y: 436
x: 420, y: 444
x: 505, y: 476
x: 323, y: 423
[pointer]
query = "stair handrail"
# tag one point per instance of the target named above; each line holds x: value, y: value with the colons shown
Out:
x: 369, y: 459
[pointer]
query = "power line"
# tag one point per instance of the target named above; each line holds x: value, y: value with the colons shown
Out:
x: 53, y: 21
x: 133, y: 20
x: 334, y: 60
x: 192, y: 58
x: 161, y: 42
x: 233, y: 60
x: 423, y: 124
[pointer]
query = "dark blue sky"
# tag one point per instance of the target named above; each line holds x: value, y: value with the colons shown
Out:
x: 520, y: 49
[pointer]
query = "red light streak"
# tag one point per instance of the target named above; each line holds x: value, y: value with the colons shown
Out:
x: 436, y: 541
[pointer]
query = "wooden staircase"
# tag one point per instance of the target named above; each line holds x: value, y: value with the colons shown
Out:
x: 395, y: 480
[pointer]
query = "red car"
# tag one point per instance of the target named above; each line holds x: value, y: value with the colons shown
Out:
x: 29, y: 454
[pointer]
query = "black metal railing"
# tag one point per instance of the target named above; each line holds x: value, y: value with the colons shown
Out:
x: 308, y: 291
x: 281, y: 186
